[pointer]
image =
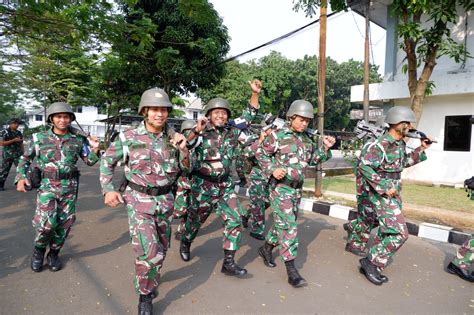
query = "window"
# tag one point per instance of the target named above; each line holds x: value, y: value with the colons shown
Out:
x: 457, y: 133
x: 78, y: 109
x: 38, y: 117
x: 195, y: 115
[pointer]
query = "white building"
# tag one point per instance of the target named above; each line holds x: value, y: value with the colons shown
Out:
x: 193, y: 109
x: 447, y: 113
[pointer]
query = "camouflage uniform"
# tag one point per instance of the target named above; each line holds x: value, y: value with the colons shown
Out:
x: 10, y: 153
x: 380, y: 166
x: 211, y: 185
x: 56, y: 157
x: 181, y: 201
x: 465, y: 254
x: 292, y: 151
x: 152, y: 162
x: 258, y: 190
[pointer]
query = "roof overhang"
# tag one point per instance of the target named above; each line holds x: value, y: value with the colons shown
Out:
x: 378, y: 12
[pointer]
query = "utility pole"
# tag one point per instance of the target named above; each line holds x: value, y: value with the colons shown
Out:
x: 366, y: 62
x: 321, y: 91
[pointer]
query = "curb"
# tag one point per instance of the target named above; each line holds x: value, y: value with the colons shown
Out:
x: 426, y: 230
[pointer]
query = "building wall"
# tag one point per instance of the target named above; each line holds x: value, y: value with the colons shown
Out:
x: 442, y: 166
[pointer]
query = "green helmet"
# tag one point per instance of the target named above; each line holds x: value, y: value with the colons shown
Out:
x: 398, y: 114
x: 301, y: 108
x: 154, y: 97
x: 59, y: 107
x: 217, y: 103
x: 187, y: 124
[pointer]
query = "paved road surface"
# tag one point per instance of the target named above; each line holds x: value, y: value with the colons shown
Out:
x: 98, y: 270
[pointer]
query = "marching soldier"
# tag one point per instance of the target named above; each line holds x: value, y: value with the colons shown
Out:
x: 284, y: 156
x: 154, y: 156
x: 56, y: 151
x: 258, y: 190
x: 181, y: 200
x: 11, y: 140
x: 211, y: 185
x: 464, y: 258
x: 378, y: 189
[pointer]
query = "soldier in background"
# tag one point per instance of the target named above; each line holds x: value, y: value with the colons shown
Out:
x: 464, y: 257
x: 56, y: 151
x: 284, y: 156
x: 212, y: 187
x: 378, y: 183
x: 258, y: 189
x: 183, y: 187
x: 154, y: 156
x: 11, y: 139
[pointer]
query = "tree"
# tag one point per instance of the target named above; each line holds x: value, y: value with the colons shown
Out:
x: 425, y: 33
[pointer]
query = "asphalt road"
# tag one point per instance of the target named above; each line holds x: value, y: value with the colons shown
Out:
x: 98, y: 270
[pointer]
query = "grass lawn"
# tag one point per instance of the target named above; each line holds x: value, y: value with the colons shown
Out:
x: 437, y: 197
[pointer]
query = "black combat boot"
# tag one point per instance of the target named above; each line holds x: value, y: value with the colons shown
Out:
x: 229, y: 267
x: 266, y: 253
x: 2, y: 185
x: 370, y: 271
x: 245, y: 221
x: 355, y: 251
x: 462, y: 273
x: 37, y: 259
x: 53, y: 260
x: 294, y: 278
x: 145, y: 305
x: 185, y: 250
x: 257, y: 236
x: 242, y: 182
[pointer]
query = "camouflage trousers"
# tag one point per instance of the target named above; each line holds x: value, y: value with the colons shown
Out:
x: 392, y: 233
x: 284, y: 203
x: 360, y: 227
x: 150, y: 230
x: 465, y: 254
x: 5, y: 166
x: 55, y: 212
x: 259, y: 201
x: 181, y: 203
x: 205, y: 197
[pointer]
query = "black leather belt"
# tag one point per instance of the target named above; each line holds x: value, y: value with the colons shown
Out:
x: 286, y: 182
x: 152, y: 191
x: 391, y: 175
x: 212, y: 179
x: 54, y: 175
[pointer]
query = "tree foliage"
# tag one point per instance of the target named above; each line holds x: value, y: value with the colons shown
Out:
x: 425, y: 35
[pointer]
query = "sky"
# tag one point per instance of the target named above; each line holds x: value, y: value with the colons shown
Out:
x: 251, y: 23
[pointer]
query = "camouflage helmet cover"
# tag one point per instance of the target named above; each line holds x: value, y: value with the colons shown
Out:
x: 59, y: 107
x: 301, y: 108
x: 217, y: 103
x: 398, y: 114
x: 187, y: 124
x: 154, y: 97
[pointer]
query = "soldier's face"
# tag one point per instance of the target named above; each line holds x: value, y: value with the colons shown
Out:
x: 61, y: 121
x: 403, y: 127
x: 156, y: 116
x: 299, y: 124
x: 14, y: 126
x: 218, y: 117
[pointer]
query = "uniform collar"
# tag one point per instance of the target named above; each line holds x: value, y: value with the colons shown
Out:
x: 390, y: 138
x: 141, y: 129
x: 67, y: 135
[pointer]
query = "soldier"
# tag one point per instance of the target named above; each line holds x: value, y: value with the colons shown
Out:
x: 378, y: 186
x: 284, y: 156
x: 211, y: 185
x: 181, y: 200
x: 56, y: 151
x: 154, y: 156
x: 11, y: 140
x: 464, y: 257
x: 258, y: 190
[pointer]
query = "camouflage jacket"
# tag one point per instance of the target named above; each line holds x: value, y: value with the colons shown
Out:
x: 150, y: 160
x: 14, y: 150
x: 55, y: 154
x: 381, y: 156
x: 217, y: 147
x: 292, y: 151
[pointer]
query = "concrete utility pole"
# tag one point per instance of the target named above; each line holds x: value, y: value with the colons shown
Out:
x: 321, y: 90
x: 366, y: 62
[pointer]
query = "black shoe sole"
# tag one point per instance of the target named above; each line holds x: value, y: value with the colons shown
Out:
x: 231, y: 274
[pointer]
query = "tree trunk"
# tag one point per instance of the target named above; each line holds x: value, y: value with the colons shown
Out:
x: 419, y: 94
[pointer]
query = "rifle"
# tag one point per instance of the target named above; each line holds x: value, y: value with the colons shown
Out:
x: 367, y: 130
x: 416, y: 134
